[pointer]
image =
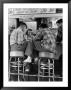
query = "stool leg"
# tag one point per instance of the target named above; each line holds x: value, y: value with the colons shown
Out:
x: 53, y: 69
x: 23, y: 71
x: 38, y: 69
x: 49, y: 68
x: 9, y: 68
x: 18, y: 69
x: 43, y: 72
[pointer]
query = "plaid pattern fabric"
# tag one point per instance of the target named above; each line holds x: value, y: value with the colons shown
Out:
x: 47, y: 40
x: 17, y: 36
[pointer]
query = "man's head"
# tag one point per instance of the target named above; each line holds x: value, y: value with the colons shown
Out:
x: 59, y: 22
x: 50, y: 24
x: 42, y: 26
x: 29, y: 31
x: 23, y: 26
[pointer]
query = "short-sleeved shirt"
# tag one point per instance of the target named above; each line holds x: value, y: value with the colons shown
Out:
x: 17, y: 36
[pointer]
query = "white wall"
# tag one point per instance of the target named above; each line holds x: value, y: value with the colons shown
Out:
x: 32, y: 25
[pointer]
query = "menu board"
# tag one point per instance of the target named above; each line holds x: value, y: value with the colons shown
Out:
x: 31, y: 10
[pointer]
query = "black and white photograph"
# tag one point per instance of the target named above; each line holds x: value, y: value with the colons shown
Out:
x: 34, y: 37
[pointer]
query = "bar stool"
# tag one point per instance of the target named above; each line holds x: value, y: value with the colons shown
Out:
x: 47, y: 67
x: 15, y: 63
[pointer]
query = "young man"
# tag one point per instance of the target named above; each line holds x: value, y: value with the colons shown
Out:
x: 18, y: 41
x: 46, y: 38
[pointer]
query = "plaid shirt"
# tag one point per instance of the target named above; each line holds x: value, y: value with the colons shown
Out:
x: 47, y: 39
x: 17, y: 36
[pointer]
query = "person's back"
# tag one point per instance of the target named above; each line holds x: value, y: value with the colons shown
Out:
x: 17, y: 36
x: 48, y: 41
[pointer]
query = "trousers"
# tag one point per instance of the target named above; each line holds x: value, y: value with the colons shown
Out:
x: 26, y: 47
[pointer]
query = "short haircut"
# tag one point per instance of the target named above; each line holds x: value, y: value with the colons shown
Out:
x: 21, y: 23
x: 29, y: 29
x: 59, y: 21
x: 43, y: 25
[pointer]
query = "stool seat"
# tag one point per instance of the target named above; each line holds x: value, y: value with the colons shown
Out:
x: 46, y: 54
x: 46, y: 65
x: 16, y: 53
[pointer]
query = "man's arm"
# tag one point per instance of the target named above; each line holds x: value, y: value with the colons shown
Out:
x: 38, y: 36
x: 13, y: 37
